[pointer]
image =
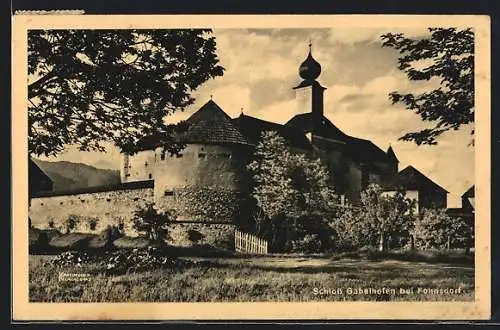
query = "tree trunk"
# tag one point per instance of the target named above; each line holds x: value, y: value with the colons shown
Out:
x: 381, y: 243
x: 448, y: 243
x: 412, y: 243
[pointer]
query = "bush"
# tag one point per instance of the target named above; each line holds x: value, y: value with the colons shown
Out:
x: 310, y: 243
x: 194, y: 236
x: 110, y: 234
x: 93, y: 223
x: 71, y: 223
x: 151, y: 223
x: 435, y: 229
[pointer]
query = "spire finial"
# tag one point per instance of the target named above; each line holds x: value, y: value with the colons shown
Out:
x: 310, y: 45
x: 241, y: 111
x: 211, y: 96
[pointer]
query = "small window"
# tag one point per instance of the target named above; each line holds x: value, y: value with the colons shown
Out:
x: 136, y: 199
x: 162, y: 156
x: 150, y: 176
x: 108, y: 199
x: 41, y: 204
x: 169, y: 193
x: 127, y: 175
x: 83, y: 200
x: 202, y: 155
x: 146, y: 164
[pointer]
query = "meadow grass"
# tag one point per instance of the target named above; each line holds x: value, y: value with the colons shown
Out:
x: 257, y: 278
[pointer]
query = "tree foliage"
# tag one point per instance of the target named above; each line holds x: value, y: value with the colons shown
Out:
x: 292, y: 190
x: 90, y: 86
x: 448, y: 55
x: 381, y: 220
x: 436, y: 229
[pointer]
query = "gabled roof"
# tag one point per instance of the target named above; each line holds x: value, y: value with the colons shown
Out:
x: 210, y: 124
x: 252, y: 128
x: 469, y: 193
x: 304, y: 122
x: 411, y: 179
x: 360, y: 150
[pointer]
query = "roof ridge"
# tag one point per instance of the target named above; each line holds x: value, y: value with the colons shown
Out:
x: 409, y: 167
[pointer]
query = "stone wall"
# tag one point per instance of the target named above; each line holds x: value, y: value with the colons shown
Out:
x: 219, y: 235
x: 108, y: 205
x: 114, y: 205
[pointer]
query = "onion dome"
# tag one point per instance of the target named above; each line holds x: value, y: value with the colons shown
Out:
x: 310, y: 68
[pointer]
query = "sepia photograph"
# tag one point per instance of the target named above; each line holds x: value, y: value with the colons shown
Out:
x: 236, y: 163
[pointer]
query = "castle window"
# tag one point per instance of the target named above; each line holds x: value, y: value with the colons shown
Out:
x: 150, y: 176
x: 61, y: 203
x: 108, y: 199
x: 136, y: 199
x: 146, y: 164
x: 202, y: 155
x: 83, y: 200
x: 162, y: 156
x: 169, y: 193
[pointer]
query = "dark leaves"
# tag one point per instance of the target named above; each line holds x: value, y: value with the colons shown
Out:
x: 448, y: 54
x: 91, y: 86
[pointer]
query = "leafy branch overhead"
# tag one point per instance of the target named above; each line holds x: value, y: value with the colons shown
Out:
x: 448, y: 55
x: 90, y: 86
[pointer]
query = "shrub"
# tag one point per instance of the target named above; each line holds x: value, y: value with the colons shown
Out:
x: 93, y: 223
x: 111, y: 233
x: 71, y: 223
x: 307, y: 244
x: 194, y: 236
x: 434, y: 229
x: 152, y: 223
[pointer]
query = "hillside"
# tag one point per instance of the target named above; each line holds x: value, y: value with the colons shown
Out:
x: 68, y: 175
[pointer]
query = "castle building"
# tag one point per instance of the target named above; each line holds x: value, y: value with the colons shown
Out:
x: 218, y: 147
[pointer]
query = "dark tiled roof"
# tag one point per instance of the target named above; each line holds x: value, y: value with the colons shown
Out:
x: 252, y: 128
x: 89, y: 190
x: 469, y: 192
x: 411, y: 178
x: 210, y: 125
x: 304, y: 122
x: 365, y: 151
x: 360, y: 150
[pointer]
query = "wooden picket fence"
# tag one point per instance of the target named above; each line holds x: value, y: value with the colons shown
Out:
x: 248, y: 243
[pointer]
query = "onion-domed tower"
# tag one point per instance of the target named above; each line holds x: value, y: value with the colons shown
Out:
x: 309, y: 93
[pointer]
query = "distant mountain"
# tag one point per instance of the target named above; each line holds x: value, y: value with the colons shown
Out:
x: 68, y: 175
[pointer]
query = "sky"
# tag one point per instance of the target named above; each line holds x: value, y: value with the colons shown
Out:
x: 261, y: 68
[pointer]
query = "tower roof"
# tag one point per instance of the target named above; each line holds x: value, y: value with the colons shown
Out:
x: 391, y: 154
x: 310, y: 69
x: 210, y: 124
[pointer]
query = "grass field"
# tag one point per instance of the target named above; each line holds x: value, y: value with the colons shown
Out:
x: 264, y: 278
